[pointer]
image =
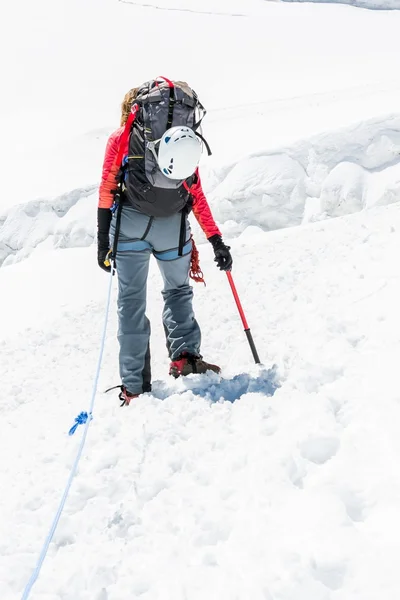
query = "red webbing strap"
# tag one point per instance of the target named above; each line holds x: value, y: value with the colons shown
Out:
x: 125, y: 134
x: 168, y: 81
x: 195, y: 272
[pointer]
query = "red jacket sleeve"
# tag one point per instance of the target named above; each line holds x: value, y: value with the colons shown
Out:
x: 202, y: 211
x: 110, y: 170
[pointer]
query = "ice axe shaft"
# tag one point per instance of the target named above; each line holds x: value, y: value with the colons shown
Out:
x: 243, y: 317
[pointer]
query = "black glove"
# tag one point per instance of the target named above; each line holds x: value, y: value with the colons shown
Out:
x: 223, y: 257
x: 103, y: 249
x: 103, y: 241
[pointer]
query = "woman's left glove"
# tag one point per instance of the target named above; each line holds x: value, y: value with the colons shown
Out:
x: 103, y: 240
x: 223, y: 257
x: 103, y: 248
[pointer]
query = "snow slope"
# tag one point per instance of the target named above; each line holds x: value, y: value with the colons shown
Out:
x: 290, y: 496
x: 277, y: 75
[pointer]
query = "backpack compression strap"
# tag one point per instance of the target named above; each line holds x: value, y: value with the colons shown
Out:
x: 202, y: 110
x: 171, y: 100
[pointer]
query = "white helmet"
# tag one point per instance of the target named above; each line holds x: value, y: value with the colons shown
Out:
x: 179, y: 153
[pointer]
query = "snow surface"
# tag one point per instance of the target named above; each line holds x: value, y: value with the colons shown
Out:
x: 185, y: 496
x: 277, y: 482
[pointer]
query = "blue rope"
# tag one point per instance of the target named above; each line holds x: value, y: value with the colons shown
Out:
x: 82, y: 419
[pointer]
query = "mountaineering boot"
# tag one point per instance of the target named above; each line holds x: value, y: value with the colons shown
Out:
x: 189, y: 363
x: 125, y: 396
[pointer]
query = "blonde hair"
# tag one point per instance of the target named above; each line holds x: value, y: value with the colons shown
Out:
x: 126, y: 105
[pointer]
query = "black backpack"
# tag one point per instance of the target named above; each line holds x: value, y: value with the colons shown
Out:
x: 159, y: 105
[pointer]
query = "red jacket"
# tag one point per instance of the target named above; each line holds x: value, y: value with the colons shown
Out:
x: 201, y: 209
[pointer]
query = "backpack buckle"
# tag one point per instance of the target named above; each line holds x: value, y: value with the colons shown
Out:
x: 152, y: 147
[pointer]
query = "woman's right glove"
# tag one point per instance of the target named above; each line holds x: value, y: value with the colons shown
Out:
x: 223, y: 257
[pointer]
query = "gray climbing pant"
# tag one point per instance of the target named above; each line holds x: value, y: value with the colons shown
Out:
x: 139, y: 237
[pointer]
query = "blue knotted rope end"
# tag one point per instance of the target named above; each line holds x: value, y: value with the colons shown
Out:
x: 81, y: 419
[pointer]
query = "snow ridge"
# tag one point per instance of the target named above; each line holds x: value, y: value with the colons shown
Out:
x: 64, y: 222
x: 371, y: 4
x: 325, y: 176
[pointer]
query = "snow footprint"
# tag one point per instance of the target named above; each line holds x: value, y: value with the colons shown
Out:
x: 319, y: 449
x: 355, y: 504
x: 330, y: 574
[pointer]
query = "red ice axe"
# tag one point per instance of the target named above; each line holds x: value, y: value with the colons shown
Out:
x: 244, y: 321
